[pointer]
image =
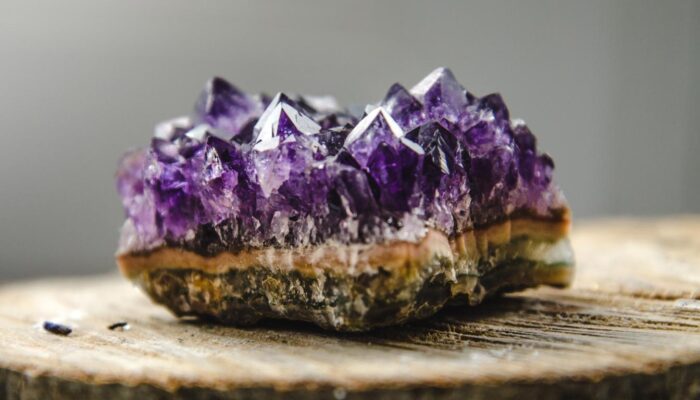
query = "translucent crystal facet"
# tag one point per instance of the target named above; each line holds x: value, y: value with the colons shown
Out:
x: 441, y: 95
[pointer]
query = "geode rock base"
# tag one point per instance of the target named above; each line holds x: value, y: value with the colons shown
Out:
x: 347, y: 299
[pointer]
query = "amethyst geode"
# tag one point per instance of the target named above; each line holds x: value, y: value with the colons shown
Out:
x: 247, y: 173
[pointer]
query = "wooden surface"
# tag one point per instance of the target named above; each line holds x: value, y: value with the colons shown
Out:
x: 629, y: 326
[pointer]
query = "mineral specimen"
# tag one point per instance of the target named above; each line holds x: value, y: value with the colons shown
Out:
x: 292, y: 207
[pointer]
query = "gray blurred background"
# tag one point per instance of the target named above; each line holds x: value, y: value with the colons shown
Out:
x: 611, y: 88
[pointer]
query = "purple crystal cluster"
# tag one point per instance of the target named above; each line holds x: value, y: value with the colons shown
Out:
x: 297, y: 171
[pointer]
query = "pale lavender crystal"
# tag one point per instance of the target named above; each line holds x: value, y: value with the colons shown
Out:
x: 252, y: 171
x: 142, y: 228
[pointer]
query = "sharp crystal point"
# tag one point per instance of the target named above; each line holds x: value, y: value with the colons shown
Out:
x: 380, y: 116
x: 304, y: 170
x: 441, y: 94
x: 494, y: 103
x: 375, y: 128
x: 225, y: 107
x: 437, y: 78
x: 403, y: 106
x: 280, y: 120
x: 274, y: 102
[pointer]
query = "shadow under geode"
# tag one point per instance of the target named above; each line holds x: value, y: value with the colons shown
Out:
x: 452, y: 328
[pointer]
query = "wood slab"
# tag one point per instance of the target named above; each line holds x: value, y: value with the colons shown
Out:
x: 629, y: 327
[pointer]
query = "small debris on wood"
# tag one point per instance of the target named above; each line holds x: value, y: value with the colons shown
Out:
x: 687, y: 304
x: 57, y: 329
x: 121, y: 326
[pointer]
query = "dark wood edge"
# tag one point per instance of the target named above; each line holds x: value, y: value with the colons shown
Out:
x: 681, y: 381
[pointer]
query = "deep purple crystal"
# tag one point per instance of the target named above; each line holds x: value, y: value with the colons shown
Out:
x: 224, y: 107
x: 298, y: 171
x: 403, y: 107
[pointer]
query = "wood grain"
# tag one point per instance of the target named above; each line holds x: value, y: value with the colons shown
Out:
x: 629, y: 327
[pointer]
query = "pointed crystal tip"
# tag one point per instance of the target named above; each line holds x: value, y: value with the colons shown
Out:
x: 281, y: 119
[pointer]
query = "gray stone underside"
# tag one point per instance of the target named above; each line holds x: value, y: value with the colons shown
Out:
x: 358, y: 302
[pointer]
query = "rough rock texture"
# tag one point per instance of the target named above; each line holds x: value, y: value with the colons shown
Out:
x: 299, y: 171
x: 342, y: 301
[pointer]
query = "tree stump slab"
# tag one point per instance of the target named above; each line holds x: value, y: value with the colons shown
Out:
x: 628, y: 327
